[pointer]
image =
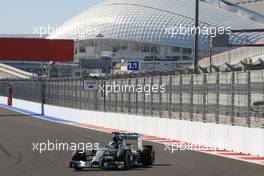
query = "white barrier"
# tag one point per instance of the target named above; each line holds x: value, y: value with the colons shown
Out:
x: 23, y: 104
x: 238, y: 139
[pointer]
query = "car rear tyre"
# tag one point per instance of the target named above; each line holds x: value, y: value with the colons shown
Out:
x: 127, y: 160
x: 148, y: 155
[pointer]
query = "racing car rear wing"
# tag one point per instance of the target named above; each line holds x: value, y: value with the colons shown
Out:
x: 129, y: 136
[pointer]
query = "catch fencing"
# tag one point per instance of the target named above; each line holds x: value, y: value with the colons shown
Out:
x: 235, y: 98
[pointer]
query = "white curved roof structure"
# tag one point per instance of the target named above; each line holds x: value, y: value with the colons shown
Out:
x: 147, y: 20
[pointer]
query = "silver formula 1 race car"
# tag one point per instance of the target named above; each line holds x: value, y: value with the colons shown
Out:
x: 116, y: 155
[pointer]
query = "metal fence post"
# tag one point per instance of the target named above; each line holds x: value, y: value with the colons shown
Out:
x: 160, y: 98
x: 77, y: 94
x: 191, y: 98
x: 170, y: 97
x: 67, y: 92
x: 129, y: 96
x: 60, y: 92
x: 151, y: 97
x: 43, y: 97
x: 249, y: 99
x: 116, y: 98
x: 232, y: 115
x: 181, y: 105
x: 109, y: 104
x: 122, y: 96
x: 204, y: 97
x: 80, y: 93
x: 72, y: 93
x: 136, y: 98
x: 217, y: 97
x: 64, y: 93
x: 104, y: 84
x: 144, y: 98
x: 83, y: 94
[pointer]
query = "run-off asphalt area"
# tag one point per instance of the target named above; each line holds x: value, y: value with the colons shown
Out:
x: 17, y: 158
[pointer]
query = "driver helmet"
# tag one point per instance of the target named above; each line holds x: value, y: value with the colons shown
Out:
x: 115, y: 141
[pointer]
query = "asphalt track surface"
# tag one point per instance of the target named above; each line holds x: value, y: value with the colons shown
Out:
x: 17, y: 158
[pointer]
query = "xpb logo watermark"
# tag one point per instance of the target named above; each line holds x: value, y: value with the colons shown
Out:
x: 63, y: 146
x: 183, y: 146
x: 173, y: 31
x: 81, y: 32
x: 125, y: 88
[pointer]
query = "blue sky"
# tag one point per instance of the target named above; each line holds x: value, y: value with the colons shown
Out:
x: 19, y: 16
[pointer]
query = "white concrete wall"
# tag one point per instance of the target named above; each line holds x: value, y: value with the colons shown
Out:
x: 238, y: 139
x: 22, y: 104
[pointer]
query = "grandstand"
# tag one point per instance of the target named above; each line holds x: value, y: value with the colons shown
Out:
x: 8, y: 72
x: 236, y: 59
x: 254, y: 5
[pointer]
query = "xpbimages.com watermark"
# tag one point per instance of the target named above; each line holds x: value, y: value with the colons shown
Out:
x: 117, y: 88
x: 78, y: 31
x: 56, y: 145
x: 183, y: 146
x: 174, y: 31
